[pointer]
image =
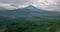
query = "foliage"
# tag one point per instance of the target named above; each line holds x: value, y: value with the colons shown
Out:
x: 30, y: 24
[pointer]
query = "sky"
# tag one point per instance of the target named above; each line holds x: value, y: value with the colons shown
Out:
x: 52, y: 5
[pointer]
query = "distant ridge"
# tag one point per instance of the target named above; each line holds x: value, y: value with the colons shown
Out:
x: 29, y: 11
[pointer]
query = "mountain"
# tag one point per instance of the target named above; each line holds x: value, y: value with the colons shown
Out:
x: 29, y: 11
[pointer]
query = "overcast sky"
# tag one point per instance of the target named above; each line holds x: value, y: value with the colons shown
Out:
x: 44, y: 4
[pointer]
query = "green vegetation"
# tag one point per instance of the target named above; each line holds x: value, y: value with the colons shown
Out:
x: 29, y: 24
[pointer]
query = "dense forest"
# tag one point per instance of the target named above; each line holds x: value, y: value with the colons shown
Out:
x: 34, y: 24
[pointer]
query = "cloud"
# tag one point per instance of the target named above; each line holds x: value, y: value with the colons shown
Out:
x: 52, y: 5
x: 22, y: 6
x: 6, y: 6
x: 44, y: 4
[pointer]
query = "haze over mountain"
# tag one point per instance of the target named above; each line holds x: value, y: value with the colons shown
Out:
x: 29, y: 11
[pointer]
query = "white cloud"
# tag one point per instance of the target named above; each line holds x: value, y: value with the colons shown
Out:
x: 6, y: 6
x: 49, y: 4
x: 22, y: 6
x: 45, y: 4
